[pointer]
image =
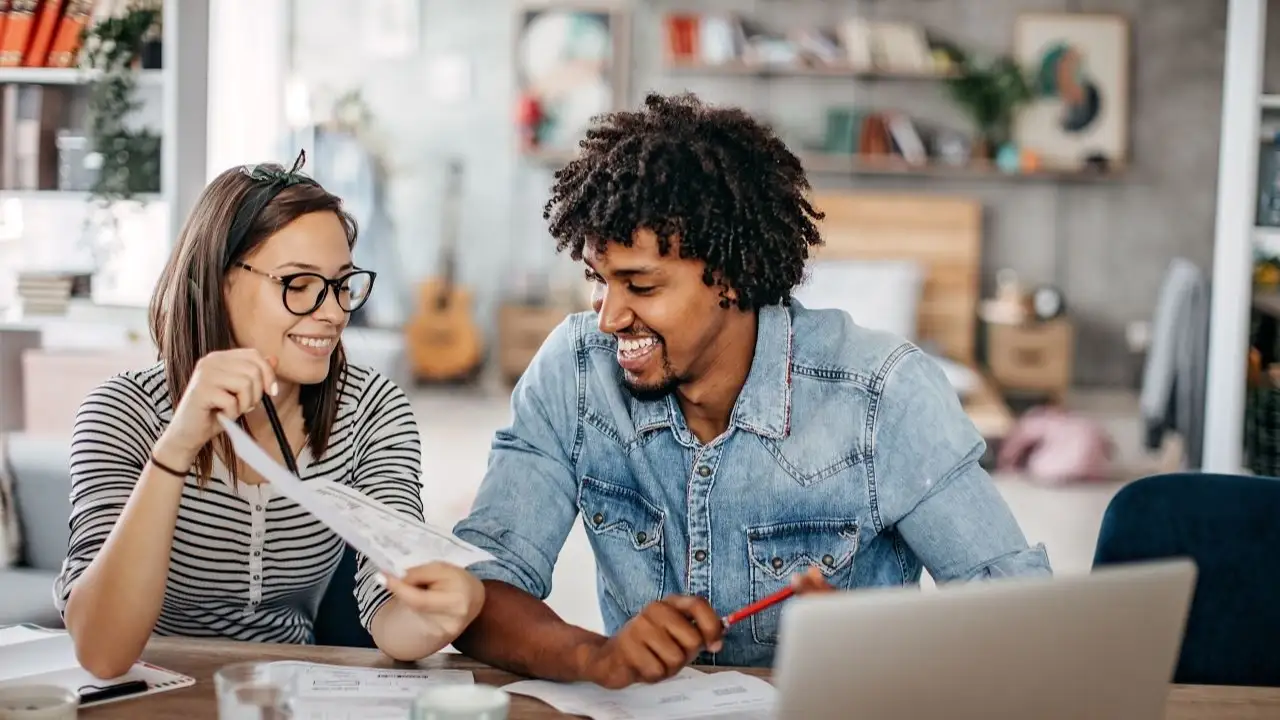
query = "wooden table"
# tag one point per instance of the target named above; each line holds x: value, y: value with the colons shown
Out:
x: 201, y: 658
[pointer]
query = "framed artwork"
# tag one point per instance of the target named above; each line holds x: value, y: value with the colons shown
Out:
x: 1078, y: 67
x: 571, y: 64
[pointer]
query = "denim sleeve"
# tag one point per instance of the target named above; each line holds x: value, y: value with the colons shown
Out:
x: 527, y: 501
x: 928, y: 485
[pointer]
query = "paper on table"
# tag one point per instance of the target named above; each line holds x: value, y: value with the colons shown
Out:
x: 393, y: 542
x: 690, y: 694
x: 337, y: 692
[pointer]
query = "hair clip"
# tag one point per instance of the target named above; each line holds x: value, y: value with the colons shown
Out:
x: 272, y: 173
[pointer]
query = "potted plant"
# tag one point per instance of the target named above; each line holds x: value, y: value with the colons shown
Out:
x: 990, y: 93
x: 129, y: 158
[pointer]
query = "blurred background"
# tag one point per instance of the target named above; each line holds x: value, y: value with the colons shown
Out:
x: 1072, y: 203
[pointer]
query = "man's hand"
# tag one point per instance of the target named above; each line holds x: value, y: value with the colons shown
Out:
x: 810, y: 581
x: 656, y: 644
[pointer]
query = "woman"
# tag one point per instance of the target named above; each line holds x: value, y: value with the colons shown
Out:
x: 169, y: 533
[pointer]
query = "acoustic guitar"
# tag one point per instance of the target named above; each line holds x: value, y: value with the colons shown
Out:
x: 443, y: 340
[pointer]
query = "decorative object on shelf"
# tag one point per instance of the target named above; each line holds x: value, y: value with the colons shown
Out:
x: 1011, y: 304
x: 1048, y: 303
x: 1008, y: 159
x: 127, y: 159
x: 571, y: 62
x: 991, y: 92
x: 1080, y: 86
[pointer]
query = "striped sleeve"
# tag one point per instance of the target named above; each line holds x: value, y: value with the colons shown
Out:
x: 388, y: 468
x: 114, y: 430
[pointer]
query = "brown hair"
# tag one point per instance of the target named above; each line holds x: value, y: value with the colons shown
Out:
x: 188, y: 313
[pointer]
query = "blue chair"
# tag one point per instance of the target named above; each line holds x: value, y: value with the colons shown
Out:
x: 1230, y: 526
x: 338, y: 617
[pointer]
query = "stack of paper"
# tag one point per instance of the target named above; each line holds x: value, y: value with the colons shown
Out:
x: 691, y: 694
x: 335, y: 692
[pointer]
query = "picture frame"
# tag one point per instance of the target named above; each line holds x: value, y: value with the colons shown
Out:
x: 1079, y: 69
x: 571, y: 60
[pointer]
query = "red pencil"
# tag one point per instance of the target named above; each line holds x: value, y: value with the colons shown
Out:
x: 757, y: 606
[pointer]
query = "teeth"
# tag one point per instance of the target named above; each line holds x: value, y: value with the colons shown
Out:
x: 313, y: 342
x: 634, y: 346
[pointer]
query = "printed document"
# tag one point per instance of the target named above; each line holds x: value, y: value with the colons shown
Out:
x: 690, y: 694
x: 336, y: 692
x: 392, y: 541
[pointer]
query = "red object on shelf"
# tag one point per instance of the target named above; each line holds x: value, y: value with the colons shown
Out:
x: 528, y: 115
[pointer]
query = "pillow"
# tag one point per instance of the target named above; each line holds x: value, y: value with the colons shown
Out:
x: 877, y: 294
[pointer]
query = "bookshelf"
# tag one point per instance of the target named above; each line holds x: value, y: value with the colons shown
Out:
x: 173, y: 102
x: 1235, y: 235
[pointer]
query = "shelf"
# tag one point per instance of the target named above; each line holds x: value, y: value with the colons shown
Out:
x: 69, y: 195
x: 66, y: 76
x: 1269, y: 102
x: 833, y: 71
x: 822, y: 164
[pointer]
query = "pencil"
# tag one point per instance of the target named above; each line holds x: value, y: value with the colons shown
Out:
x: 757, y: 606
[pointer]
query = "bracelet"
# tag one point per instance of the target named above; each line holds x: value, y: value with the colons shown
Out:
x: 167, y: 469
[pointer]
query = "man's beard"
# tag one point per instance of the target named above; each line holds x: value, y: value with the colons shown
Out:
x: 648, y: 392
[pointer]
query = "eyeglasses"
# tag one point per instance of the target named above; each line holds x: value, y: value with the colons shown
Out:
x: 303, y: 293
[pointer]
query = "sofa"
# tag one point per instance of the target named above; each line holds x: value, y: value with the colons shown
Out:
x: 37, y: 468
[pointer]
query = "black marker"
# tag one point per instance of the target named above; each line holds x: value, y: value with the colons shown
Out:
x: 114, y: 691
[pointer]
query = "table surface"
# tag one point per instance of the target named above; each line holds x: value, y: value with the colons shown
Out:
x: 200, y: 658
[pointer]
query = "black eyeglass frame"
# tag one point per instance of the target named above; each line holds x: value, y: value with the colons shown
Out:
x: 336, y: 283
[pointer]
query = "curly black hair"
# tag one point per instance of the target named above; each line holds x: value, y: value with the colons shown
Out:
x: 713, y: 178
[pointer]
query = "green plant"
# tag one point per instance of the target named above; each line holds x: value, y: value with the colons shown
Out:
x: 991, y: 93
x: 129, y: 157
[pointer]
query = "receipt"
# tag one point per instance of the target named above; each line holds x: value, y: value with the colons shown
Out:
x: 336, y: 692
x: 690, y: 694
x: 392, y: 541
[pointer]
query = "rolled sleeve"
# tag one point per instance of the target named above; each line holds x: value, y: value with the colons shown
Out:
x: 927, y: 482
x: 526, y: 503
x: 388, y: 469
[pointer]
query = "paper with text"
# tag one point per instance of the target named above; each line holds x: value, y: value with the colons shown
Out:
x: 392, y: 541
x: 688, y: 695
x: 337, y: 692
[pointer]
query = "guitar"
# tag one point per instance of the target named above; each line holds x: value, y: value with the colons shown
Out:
x: 443, y: 340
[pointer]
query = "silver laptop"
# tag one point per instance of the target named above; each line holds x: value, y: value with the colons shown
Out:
x: 1099, y: 646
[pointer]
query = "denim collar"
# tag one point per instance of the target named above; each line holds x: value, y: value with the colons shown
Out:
x: 764, y: 405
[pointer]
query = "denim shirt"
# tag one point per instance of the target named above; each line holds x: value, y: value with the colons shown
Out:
x: 847, y: 449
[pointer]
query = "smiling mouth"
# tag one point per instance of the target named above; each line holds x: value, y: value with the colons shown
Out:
x: 634, y: 353
x: 313, y: 344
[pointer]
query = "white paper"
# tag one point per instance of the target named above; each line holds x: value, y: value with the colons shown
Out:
x: 688, y: 695
x: 393, y: 542
x: 337, y: 692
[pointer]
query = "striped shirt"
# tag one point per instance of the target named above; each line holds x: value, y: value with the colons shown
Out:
x: 246, y: 564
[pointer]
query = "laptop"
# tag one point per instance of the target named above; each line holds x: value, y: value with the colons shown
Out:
x: 1097, y: 646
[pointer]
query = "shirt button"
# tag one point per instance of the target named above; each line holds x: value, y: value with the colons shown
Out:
x: 777, y: 563
x: 700, y: 556
x: 597, y: 518
x: 257, y: 553
x: 704, y: 471
x: 828, y: 560
x: 257, y: 577
x: 641, y: 537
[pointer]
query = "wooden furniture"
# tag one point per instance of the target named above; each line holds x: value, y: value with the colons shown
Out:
x: 55, y: 382
x: 14, y: 342
x: 944, y: 236
x: 1034, y: 357
x: 201, y: 658
x: 521, y: 331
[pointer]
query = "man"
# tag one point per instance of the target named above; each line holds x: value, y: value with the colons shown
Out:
x: 717, y: 440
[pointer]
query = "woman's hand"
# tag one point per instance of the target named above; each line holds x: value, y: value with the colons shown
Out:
x: 228, y: 382
x: 445, y: 597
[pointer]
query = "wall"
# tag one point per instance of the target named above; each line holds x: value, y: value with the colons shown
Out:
x: 1106, y: 245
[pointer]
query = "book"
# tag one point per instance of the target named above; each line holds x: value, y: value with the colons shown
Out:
x: 32, y: 655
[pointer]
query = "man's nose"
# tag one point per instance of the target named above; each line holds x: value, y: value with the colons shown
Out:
x: 612, y: 314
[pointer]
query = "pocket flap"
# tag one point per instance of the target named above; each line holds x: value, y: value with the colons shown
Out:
x: 784, y: 549
x: 609, y: 509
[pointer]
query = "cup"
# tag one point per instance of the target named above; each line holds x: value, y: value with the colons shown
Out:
x: 461, y: 702
x: 254, y: 691
x: 38, y: 702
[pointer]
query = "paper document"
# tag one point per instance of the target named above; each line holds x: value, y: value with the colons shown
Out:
x: 691, y: 694
x: 393, y: 542
x: 32, y: 655
x: 336, y: 692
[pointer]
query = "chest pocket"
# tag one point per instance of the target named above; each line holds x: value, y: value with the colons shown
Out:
x: 776, y: 552
x: 625, y: 531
